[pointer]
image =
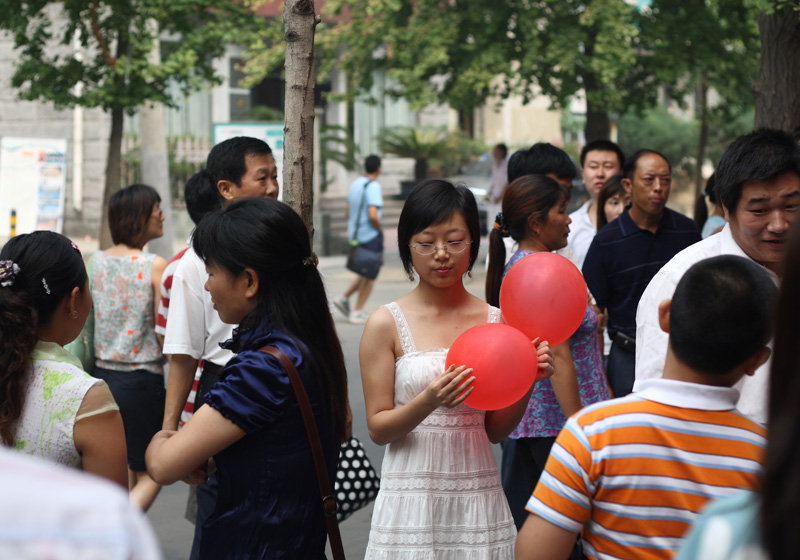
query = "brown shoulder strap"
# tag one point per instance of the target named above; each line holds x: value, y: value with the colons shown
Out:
x: 329, y: 506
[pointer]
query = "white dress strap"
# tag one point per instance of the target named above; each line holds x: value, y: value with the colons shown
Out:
x: 406, y: 340
x: 495, y: 315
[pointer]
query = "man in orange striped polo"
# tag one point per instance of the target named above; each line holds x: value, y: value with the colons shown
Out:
x: 631, y: 474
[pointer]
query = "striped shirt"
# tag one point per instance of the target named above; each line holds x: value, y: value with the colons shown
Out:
x: 634, y: 472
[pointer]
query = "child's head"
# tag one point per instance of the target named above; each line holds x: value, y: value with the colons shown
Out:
x: 433, y: 202
x: 611, y: 201
x: 721, y: 314
x: 201, y: 196
x: 243, y: 167
x: 542, y: 159
x: 38, y: 271
x: 130, y: 212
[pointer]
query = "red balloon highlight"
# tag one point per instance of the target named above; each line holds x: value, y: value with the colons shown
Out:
x: 544, y: 295
x: 505, y: 364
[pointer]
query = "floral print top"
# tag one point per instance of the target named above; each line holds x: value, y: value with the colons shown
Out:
x: 124, y: 311
x: 543, y: 417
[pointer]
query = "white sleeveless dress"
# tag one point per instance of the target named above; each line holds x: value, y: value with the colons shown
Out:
x: 440, y: 495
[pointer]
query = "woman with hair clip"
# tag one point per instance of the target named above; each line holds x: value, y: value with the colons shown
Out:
x: 535, y: 215
x: 763, y: 525
x: 263, y: 277
x: 440, y: 494
x: 611, y: 201
x: 125, y: 283
x: 50, y: 407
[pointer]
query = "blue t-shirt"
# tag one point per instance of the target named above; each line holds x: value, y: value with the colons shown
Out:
x: 372, y: 196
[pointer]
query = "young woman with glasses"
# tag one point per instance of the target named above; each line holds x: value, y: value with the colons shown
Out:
x: 440, y: 490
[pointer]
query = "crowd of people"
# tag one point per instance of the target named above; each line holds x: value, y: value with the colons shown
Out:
x: 664, y: 425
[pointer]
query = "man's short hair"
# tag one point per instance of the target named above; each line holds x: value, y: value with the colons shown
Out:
x: 227, y: 161
x: 603, y: 146
x: 503, y: 149
x: 541, y: 159
x: 629, y: 169
x: 721, y: 314
x: 796, y: 134
x: 759, y: 156
x: 372, y: 164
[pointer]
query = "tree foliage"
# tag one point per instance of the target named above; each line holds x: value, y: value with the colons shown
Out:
x: 117, y: 36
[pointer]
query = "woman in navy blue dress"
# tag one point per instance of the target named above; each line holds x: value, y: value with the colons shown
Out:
x: 263, y: 277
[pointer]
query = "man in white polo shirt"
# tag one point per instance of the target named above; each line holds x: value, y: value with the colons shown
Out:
x: 758, y: 185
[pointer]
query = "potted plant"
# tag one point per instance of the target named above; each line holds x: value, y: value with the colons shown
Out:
x: 420, y: 144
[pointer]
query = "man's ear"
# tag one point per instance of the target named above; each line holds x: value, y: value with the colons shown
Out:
x: 756, y: 361
x: 627, y: 185
x: 225, y: 189
x: 726, y: 213
x: 251, y: 277
x: 663, y: 314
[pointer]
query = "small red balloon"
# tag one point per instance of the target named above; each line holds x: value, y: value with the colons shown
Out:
x: 544, y: 295
x: 504, y: 362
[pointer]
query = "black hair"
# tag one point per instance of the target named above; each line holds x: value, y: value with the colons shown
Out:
x: 227, y: 161
x: 541, y: 159
x: 503, y: 149
x: 530, y: 196
x: 721, y: 313
x: 629, y: 169
x: 780, y: 513
x: 202, y: 196
x: 372, y: 164
x: 611, y: 188
x: 432, y: 202
x: 603, y: 146
x: 759, y: 156
x: 796, y: 134
x: 129, y: 210
x: 269, y: 237
x: 50, y: 267
x: 700, y: 208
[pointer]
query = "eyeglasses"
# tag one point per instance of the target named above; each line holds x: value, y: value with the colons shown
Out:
x: 452, y: 247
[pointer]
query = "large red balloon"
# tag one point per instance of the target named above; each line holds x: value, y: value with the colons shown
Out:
x: 544, y: 295
x: 504, y: 362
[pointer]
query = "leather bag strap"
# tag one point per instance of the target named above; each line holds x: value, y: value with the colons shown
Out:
x: 329, y: 506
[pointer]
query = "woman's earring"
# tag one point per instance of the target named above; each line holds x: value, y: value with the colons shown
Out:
x: 410, y: 276
x: 74, y: 314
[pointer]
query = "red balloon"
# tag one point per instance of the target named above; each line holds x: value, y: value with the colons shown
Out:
x: 504, y: 362
x: 544, y: 295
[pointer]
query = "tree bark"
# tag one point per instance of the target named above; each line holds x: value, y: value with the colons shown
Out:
x: 299, y: 21
x: 777, y: 89
x: 702, y: 139
x: 598, y: 125
x: 113, y: 164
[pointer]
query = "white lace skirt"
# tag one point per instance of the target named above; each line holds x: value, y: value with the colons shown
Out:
x: 441, y: 496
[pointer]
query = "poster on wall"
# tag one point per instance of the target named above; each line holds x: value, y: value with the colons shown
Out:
x: 33, y: 176
x: 271, y: 133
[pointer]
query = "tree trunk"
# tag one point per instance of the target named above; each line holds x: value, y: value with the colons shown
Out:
x: 598, y: 126
x: 777, y: 89
x: 299, y: 21
x: 113, y: 164
x: 702, y: 140
x: 155, y: 159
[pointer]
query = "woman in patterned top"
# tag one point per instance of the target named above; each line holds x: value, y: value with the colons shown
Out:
x: 124, y: 282
x: 50, y: 407
x: 535, y: 215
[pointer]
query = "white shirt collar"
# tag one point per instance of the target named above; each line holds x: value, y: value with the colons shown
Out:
x: 688, y: 395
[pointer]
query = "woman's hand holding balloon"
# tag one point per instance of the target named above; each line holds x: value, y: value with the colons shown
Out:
x: 546, y: 359
x: 451, y: 388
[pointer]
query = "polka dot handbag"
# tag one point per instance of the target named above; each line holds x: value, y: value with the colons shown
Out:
x: 356, y: 481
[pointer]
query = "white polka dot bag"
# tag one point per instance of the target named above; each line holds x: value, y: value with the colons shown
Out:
x: 356, y: 482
